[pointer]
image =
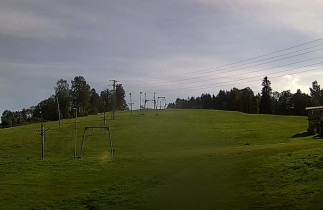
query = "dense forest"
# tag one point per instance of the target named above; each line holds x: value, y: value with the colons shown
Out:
x: 79, y: 95
x: 266, y: 102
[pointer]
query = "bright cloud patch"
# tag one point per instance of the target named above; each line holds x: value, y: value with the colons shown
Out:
x: 290, y: 82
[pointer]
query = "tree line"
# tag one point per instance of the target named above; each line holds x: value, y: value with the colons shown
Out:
x: 79, y: 96
x: 266, y: 102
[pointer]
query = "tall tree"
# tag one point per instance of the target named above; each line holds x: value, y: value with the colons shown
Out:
x: 221, y: 100
x: 106, y: 100
x: 64, y: 97
x: 275, y: 102
x: 121, y: 103
x: 265, y: 100
x: 315, y: 93
x: 24, y: 113
x: 285, y: 103
x: 81, y: 94
x: 206, y: 100
x: 192, y: 103
x: 248, y: 101
x: 94, y: 102
x: 47, y: 109
x: 7, y: 119
x: 300, y: 101
x: 234, y: 100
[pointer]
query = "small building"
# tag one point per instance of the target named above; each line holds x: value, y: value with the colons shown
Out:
x: 314, y: 118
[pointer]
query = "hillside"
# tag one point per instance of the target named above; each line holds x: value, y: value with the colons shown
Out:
x: 179, y: 159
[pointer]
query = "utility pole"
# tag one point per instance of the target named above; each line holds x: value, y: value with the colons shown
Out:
x: 42, y: 132
x: 154, y: 100
x: 146, y: 102
x: 114, y: 99
x: 75, y: 130
x: 59, y: 114
x: 140, y: 103
x: 155, y: 104
x: 104, y: 118
x: 130, y: 103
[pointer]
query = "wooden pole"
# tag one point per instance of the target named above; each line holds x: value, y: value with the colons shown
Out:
x: 42, y: 139
x: 110, y: 139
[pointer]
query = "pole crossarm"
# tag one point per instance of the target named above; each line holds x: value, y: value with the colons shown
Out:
x: 101, y: 127
x: 98, y: 127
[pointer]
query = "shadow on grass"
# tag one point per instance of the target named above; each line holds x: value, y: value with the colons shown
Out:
x: 304, y: 134
x: 318, y: 136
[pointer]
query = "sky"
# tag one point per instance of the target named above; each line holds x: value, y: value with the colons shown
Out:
x: 176, y: 48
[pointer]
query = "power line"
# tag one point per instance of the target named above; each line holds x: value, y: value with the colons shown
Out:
x: 229, y: 83
x: 237, y: 80
x: 216, y: 69
x: 257, y: 57
x: 244, y: 73
x: 240, y: 65
x: 233, y: 70
x: 253, y: 58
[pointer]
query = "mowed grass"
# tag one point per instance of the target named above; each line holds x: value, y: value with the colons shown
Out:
x: 179, y: 159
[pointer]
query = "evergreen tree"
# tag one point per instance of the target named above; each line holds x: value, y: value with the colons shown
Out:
x: 206, y: 101
x: 221, y: 100
x: 180, y: 103
x: 171, y: 106
x: 265, y: 100
x: 121, y: 103
x: 213, y: 101
x: 192, y: 103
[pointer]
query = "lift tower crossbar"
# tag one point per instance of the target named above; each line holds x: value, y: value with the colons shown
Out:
x: 99, y: 127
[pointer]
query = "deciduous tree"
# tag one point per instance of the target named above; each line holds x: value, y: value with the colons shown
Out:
x: 315, y: 93
x: 81, y: 94
x: 64, y: 97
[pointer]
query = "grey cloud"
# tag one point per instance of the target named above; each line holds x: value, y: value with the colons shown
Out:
x: 43, y: 41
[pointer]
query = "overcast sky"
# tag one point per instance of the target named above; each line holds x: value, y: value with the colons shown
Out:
x: 171, y: 47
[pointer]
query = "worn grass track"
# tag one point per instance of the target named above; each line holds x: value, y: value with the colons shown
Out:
x: 179, y: 159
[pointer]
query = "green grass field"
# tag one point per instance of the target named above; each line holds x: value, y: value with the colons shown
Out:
x: 179, y: 159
